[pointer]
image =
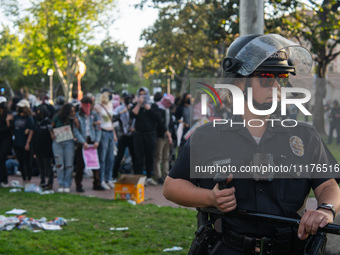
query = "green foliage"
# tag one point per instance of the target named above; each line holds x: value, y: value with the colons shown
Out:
x: 315, y: 24
x: 56, y: 33
x: 10, y: 53
x: 151, y: 228
x: 12, y: 66
x: 189, y: 39
x: 109, y: 67
x: 107, y: 64
x: 10, y: 58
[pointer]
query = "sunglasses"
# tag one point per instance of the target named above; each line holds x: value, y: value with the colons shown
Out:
x: 267, y: 79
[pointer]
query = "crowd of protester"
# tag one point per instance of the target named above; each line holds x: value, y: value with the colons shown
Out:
x: 132, y: 134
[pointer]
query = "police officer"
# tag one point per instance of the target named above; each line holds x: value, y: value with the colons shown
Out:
x: 262, y: 63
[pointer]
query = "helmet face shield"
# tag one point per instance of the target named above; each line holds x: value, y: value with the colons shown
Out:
x: 255, y: 52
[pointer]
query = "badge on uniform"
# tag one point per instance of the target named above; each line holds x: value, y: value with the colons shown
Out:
x: 297, y: 146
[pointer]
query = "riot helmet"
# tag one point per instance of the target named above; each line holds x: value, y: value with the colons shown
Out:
x: 265, y: 53
x: 270, y: 52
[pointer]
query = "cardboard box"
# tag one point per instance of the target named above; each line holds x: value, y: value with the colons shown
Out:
x: 130, y: 186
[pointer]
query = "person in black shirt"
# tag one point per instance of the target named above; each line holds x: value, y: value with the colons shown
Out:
x: 42, y: 146
x: 147, y: 118
x: 5, y: 141
x: 23, y: 124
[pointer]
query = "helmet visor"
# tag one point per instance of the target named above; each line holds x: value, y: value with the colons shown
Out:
x: 264, y: 46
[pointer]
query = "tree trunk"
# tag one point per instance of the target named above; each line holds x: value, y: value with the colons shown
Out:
x: 184, y: 87
x: 320, y: 94
x: 318, y: 118
x: 222, y: 50
x: 61, y: 78
x: 70, y: 70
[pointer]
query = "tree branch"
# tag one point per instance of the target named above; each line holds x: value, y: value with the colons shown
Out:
x: 334, y: 55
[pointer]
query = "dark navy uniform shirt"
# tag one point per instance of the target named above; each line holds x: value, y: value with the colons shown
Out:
x: 300, y: 145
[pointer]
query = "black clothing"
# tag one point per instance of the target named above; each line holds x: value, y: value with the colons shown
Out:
x: 234, y: 145
x: 180, y: 113
x: 144, y: 147
x: 5, y: 146
x: 144, y: 138
x: 21, y: 124
x: 146, y: 120
x: 163, y: 127
x: 41, y: 140
x: 80, y: 166
x: 49, y: 107
x: 42, y: 148
x: 45, y: 169
x: 123, y: 142
x: 25, y: 166
x: 4, y: 129
x: 125, y: 138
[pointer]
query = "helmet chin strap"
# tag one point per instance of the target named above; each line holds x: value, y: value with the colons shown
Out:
x: 257, y: 105
x: 264, y: 106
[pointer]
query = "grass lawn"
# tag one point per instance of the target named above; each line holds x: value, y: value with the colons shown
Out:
x: 151, y: 228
